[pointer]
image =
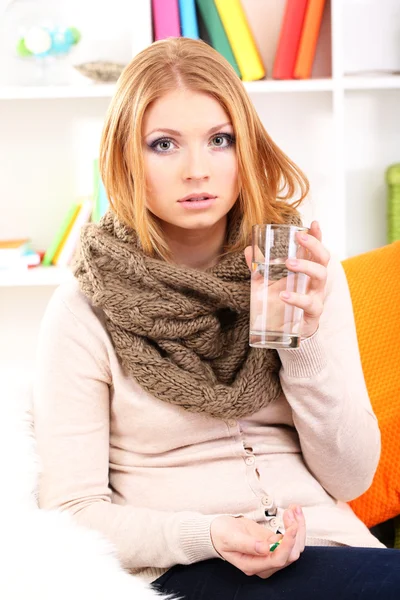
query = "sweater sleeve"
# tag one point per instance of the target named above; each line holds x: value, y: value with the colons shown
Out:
x: 324, y: 384
x: 71, y: 415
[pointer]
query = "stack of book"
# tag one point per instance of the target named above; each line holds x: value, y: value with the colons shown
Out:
x: 298, y: 39
x: 17, y: 254
x: 226, y: 25
x: 65, y: 242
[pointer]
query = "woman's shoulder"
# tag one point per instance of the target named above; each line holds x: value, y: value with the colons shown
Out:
x: 69, y: 307
x: 72, y: 328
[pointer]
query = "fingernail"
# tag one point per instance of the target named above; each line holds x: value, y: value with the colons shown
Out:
x: 299, y: 511
x: 260, y: 548
x: 285, y: 295
x: 292, y: 262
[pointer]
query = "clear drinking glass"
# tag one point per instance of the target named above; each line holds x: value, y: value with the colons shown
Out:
x: 273, y: 323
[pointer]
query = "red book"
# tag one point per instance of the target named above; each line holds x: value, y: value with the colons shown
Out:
x: 289, y: 39
x: 166, y: 21
x: 309, y: 38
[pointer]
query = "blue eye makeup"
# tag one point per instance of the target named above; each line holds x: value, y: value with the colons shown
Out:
x: 229, y: 138
x: 157, y: 145
x: 164, y: 145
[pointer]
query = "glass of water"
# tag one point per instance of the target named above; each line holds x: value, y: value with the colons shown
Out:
x: 273, y: 323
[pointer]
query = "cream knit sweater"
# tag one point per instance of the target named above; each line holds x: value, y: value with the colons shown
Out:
x: 151, y: 477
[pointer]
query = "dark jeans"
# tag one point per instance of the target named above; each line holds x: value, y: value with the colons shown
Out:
x: 326, y: 573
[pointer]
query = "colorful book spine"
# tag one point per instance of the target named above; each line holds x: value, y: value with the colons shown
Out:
x: 309, y: 38
x: 61, y: 234
x: 216, y: 32
x: 289, y: 39
x: 142, y: 28
x: 241, y: 39
x: 187, y: 13
x: 166, y: 20
x: 100, y: 200
x: 71, y: 243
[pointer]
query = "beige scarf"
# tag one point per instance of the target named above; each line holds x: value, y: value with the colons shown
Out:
x: 182, y: 334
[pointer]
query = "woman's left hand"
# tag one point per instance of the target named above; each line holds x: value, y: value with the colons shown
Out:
x: 311, y: 302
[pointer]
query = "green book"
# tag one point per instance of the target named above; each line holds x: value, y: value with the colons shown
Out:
x: 58, y: 239
x: 216, y: 32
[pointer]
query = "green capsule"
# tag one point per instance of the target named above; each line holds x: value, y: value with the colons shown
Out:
x: 274, y: 546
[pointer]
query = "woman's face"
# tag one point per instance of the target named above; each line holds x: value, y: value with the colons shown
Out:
x: 190, y: 160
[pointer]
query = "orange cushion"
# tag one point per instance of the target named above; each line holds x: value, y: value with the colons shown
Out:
x: 374, y: 281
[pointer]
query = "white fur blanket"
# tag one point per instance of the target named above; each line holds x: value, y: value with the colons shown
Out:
x: 45, y: 555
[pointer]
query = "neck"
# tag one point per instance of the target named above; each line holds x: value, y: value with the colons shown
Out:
x: 197, y: 249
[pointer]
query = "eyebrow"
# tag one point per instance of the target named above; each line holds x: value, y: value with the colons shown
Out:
x: 179, y: 134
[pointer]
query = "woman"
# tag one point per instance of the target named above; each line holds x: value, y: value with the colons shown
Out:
x: 156, y: 423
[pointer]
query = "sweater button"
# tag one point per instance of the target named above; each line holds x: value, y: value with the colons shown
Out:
x: 250, y: 460
x: 266, y: 500
x: 273, y: 523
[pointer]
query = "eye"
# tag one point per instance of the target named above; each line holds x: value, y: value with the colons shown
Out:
x: 162, y: 145
x: 223, y: 140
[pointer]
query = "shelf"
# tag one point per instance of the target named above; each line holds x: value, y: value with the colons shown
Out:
x: 289, y: 85
x: 37, y: 276
x: 253, y: 87
x: 105, y: 90
x: 373, y: 82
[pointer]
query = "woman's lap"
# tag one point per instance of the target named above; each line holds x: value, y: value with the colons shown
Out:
x: 321, y: 572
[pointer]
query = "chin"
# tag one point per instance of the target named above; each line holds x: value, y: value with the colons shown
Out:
x: 199, y: 224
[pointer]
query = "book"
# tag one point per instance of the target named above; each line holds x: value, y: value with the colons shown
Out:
x: 72, y: 241
x: 61, y: 234
x: 166, y: 22
x: 309, y: 38
x: 265, y: 19
x: 289, y: 39
x: 241, y: 39
x: 11, y: 251
x: 100, y: 200
x: 216, y: 33
x: 142, y: 28
x: 188, y: 18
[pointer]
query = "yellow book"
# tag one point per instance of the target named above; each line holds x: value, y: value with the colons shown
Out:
x: 67, y: 231
x: 241, y: 39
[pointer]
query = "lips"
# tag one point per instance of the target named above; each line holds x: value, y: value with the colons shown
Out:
x: 197, y: 197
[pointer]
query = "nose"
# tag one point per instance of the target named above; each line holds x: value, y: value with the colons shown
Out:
x: 196, y: 166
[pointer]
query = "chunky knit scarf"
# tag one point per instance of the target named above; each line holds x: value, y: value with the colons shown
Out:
x: 182, y: 334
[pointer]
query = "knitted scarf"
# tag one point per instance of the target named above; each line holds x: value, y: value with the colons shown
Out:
x: 182, y: 334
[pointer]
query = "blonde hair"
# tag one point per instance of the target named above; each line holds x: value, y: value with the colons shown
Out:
x: 268, y: 179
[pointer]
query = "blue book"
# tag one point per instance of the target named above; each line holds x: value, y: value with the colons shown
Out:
x: 189, y: 25
x: 100, y: 200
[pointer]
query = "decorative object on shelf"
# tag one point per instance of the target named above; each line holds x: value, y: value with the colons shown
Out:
x: 101, y: 71
x: 393, y: 202
x: 38, y: 40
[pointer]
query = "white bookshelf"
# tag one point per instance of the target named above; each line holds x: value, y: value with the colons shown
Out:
x: 342, y: 130
x: 54, y: 92
x: 34, y: 277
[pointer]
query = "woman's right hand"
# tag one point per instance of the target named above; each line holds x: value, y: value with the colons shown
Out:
x: 245, y: 544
